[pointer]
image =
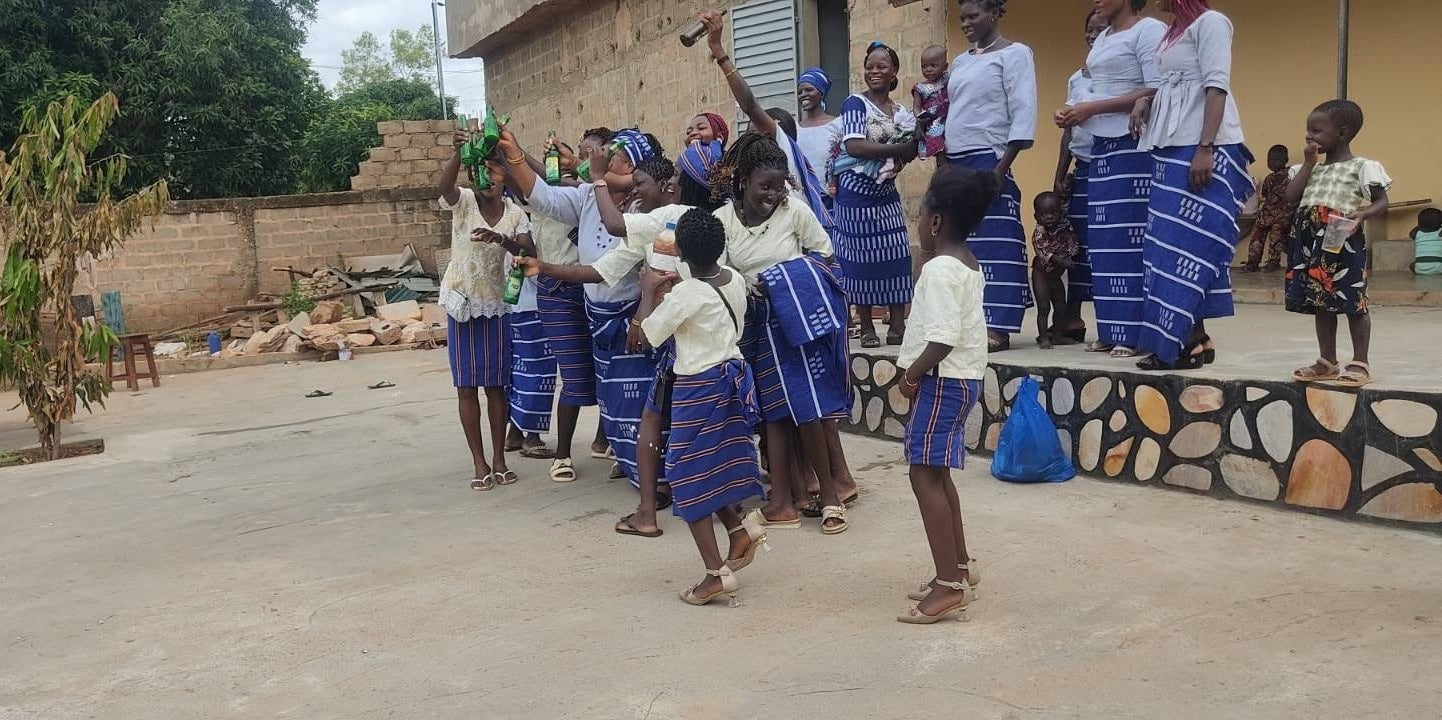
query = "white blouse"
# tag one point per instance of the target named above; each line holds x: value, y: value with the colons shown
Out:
x: 705, y: 331
x: 576, y: 206
x: 791, y: 232
x: 474, y: 282
x: 1120, y: 64
x: 1078, y: 90
x: 1200, y: 59
x: 816, y: 143
x: 947, y: 309
x: 993, y: 100
x: 642, y: 229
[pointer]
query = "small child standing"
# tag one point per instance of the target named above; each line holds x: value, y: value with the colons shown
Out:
x: 711, y: 459
x: 1327, y: 257
x: 1274, y: 216
x: 485, y: 225
x: 944, y: 357
x: 930, y: 102
x: 1427, y: 237
x: 1056, y: 245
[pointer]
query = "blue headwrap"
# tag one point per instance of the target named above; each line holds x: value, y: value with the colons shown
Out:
x: 698, y: 159
x: 637, y: 148
x: 817, y: 78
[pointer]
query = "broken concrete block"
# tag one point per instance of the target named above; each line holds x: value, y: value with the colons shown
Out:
x: 400, y: 312
x: 292, y: 345
x: 298, y: 323
x: 356, y: 340
x: 359, y: 325
x: 325, y: 336
x: 433, y: 314
x: 386, y: 332
x: 327, y: 311
x: 417, y: 332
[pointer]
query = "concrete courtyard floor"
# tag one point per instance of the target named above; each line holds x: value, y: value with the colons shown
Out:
x: 241, y: 552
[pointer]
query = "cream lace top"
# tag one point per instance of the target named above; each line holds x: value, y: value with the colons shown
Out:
x: 475, y: 280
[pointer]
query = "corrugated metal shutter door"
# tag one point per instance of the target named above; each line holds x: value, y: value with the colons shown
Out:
x: 764, y: 50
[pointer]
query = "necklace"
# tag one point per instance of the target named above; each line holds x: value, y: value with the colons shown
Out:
x: 708, y: 277
x: 983, y: 50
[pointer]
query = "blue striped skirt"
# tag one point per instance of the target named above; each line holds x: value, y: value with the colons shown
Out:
x: 1000, y: 246
x: 802, y: 383
x: 873, y: 245
x: 936, y: 430
x: 1121, y: 183
x: 480, y: 351
x: 533, y: 374
x: 711, y: 457
x: 624, y: 379
x: 1079, y: 277
x: 562, y: 307
x: 1191, y: 240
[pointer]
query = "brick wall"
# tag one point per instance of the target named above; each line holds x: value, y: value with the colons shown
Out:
x: 410, y: 156
x: 203, y: 255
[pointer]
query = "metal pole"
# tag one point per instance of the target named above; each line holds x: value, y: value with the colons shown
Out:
x: 1344, y: 32
x: 440, y: 72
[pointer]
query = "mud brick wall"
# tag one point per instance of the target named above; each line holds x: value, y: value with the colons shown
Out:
x: 203, y: 255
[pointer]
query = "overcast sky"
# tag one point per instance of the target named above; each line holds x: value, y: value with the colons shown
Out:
x: 339, y: 22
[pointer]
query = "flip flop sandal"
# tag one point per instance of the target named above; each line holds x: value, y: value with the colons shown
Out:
x: 318, y: 394
x: 512, y: 448
x: 508, y: 477
x: 381, y: 385
x: 608, y: 455
x: 663, y: 500
x: 484, y: 484
x: 834, y: 513
x: 778, y: 524
x: 1357, y: 374
x: 1002, y: 345
x: 616, y: 472
x: 624, y: 527
x: 1122, y: 353
x: 870, y: 340
x: 563, y: 470
x: 538, y: 452
x: 813, y: 509
x: 1319, y: 371
x: 1097, y: 346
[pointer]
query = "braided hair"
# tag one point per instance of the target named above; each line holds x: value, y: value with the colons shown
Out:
x: 700, y: 237
x: 752, y: 151
x: 998, y: 7
x: 658, y: 168
x: 604, y: 134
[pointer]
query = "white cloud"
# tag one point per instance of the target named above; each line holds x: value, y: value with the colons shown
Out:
x: 339, y: 22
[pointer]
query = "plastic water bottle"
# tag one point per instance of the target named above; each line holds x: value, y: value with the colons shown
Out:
x: 214, y: 341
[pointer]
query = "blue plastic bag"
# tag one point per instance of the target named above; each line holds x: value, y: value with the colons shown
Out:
x: 1029, y: 450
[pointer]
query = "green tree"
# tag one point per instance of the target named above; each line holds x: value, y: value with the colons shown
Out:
x: 408, y: 56
x: 337, y: 142
x: 43, y: 182
x: 214, y: 96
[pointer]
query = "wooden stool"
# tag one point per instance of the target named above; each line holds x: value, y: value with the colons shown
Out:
x: 130, y: 346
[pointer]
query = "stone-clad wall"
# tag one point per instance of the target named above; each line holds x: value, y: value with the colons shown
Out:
x: 1372, y: 454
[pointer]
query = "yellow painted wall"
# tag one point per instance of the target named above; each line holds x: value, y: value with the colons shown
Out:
x: 1284, y: 65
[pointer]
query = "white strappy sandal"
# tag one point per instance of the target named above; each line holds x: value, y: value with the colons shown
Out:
x: 973, y: 578
x: 915, y: 616
x: 729, y: 588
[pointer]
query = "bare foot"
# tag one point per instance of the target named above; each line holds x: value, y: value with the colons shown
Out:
x: 780, y: 513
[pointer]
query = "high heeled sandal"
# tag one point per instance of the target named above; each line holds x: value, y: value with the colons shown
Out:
x: 973, y: 578
x: 915, y: 616
x: 729, y: 588
x: 753, y: 527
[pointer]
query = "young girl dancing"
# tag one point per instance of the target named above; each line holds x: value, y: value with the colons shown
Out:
x: 1327, y: 260
x: 711, y: 457
x: 484, y: 227
x: 944, y: 356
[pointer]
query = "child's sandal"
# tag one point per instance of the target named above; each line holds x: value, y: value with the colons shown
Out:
x: 1319, y: 371
x: 1357, y: 374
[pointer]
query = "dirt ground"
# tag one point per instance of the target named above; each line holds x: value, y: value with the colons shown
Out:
x: 241, y: 552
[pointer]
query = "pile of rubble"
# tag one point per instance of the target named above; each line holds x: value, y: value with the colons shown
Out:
x: 327, y: 329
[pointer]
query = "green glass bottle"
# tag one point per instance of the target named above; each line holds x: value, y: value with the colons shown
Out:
x: 553, y: 160
x: 583, y: 171
x: 514, y: 280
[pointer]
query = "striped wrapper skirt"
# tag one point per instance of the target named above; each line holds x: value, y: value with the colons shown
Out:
x: 1121, y: 184
x: 533, y: 374
x: 1000, y: 246
x: 562, y: 309
x: 711, y: 457
x: 802, y: 383
x: 936, y: 431
x: 1079, y: 277
x: 872, y: 242
x: 1191, y: 240
x: 480, y: 351
x: 624, y: 379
